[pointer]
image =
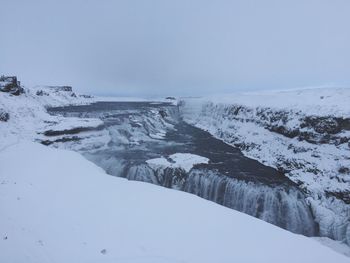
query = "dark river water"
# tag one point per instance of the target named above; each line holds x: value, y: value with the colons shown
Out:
x: 184, y: 138
x: 229, y: 179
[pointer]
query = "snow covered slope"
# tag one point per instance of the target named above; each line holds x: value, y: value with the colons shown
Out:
x: 27, y: 117
x: 303, y: 133
x: 59, y: 207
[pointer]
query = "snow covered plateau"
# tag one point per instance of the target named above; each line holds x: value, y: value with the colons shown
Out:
x: 289, y: 166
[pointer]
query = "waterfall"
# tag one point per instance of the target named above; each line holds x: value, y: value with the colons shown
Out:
x: 281, y: 205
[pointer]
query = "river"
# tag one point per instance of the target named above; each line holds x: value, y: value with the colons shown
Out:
x: 140, y: 131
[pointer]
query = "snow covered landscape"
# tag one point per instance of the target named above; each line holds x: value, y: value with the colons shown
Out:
x: 57, y: 206
x: 174, y: 131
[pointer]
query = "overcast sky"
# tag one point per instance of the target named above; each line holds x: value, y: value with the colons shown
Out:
x: 179, y: 47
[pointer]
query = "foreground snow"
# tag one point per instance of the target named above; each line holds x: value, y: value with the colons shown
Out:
x: 59, y: 207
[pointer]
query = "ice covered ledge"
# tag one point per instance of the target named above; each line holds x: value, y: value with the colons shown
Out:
x: 184, y: 161
x: 59, y: 207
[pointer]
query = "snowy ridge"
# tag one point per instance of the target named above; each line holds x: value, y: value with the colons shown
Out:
x: 312, y: 101
x: 304, y: 133
x: 52, y: 96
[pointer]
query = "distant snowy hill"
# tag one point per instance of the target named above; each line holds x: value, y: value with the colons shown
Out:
x: 310, y: 101
x: 304, y: 133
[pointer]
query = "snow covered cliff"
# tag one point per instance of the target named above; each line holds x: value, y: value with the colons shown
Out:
x: 24, y: 115
x: 303, y: 133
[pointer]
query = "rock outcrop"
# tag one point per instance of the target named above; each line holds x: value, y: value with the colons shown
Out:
x: 4, y: 116
x: 11, y: 85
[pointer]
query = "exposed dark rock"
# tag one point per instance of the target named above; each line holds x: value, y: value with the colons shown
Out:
x: 284, y: 131
x: 4, y: 116
x: 10, y: 85
x: 344, y: 196
x: 163, y: 113
x: 272, y: 116
x: 41, y: 93
x: 328, y: 125
x: 344, y: 170
x: 71, y: 131
x: 64, y: 139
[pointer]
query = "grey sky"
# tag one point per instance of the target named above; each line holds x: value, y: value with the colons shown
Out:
x: 179, y: 47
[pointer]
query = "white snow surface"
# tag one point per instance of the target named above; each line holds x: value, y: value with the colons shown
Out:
x: 313, y: 101
x: 59, y: 207
x: 54, y: 97
x: 178, y: 160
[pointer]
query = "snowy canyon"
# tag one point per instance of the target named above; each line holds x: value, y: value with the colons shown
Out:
x: 285, y: 163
